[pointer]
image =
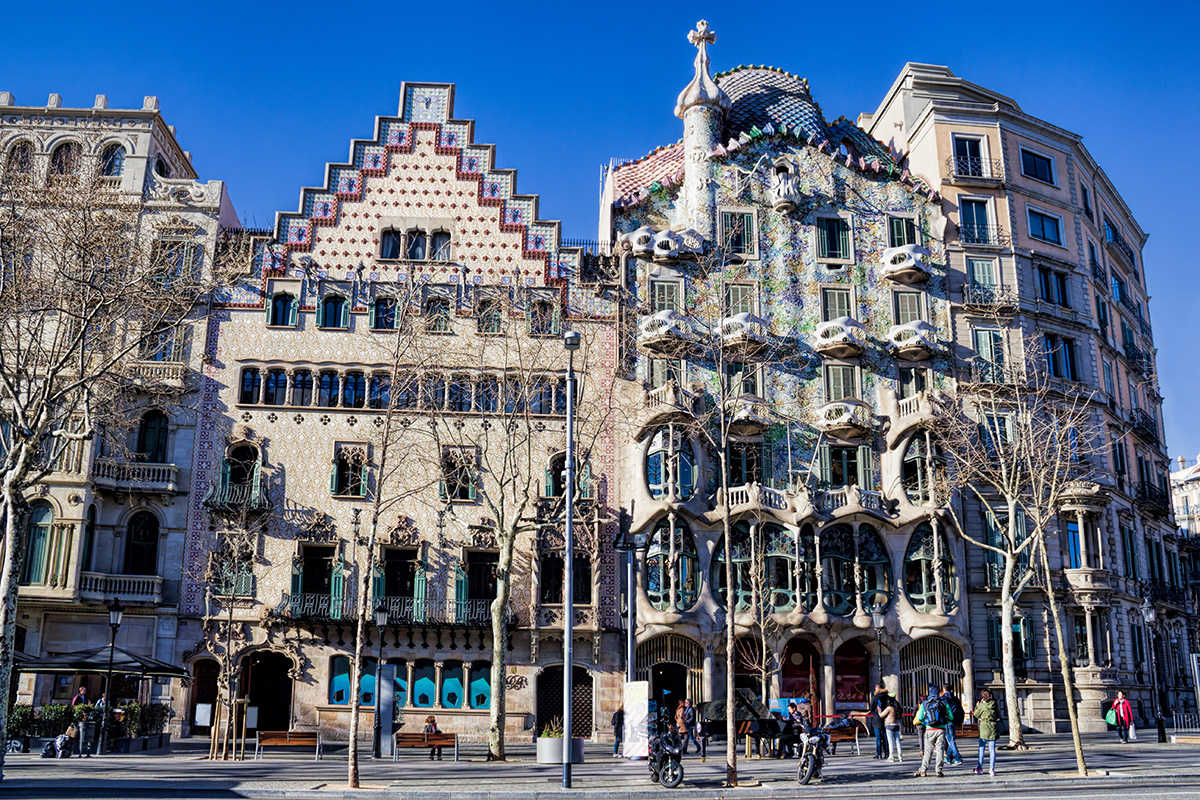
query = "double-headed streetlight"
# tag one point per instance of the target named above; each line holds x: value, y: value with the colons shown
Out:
x: 381, y: 620
x: 1150, y: 615
x: 115, y: 612
x: 571, y: 341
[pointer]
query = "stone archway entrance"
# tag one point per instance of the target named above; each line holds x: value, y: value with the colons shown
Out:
x: 673, y: 664
x: 800, y: 673
x: 550, y: 699
x: 930, y: 659
x: 204, y: 694
x: 267, y: 684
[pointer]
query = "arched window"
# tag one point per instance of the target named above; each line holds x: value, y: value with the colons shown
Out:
x: 424, y: 687
x: 743, y: 567
x: 552, y: 579
x: 916, y: 469
x: 669, y: 464
x: 65, y: 159
x: 20, y: 158
x: 327, y: 390
x: 302, y: 388
x: 480, y: 690
x: 389, y: 244
x: 112, y: 162
x: 243, y: 464
x: 283, y: 309
x: 275, y: 391
x: 487, y: 316
x: 841, y: 550
x: 452, y: 684
x: 251, y: 389
x: 152, y: 438
x: 334, y: 312
x: 925, y: 554
x: 658, y: 573
x: 354, y: 390
x: 161, y: 167
x: 439, y: 246
x: 37, y: 543
x: 417, y: 246
x: 141, y: 545
x: 339, y: 681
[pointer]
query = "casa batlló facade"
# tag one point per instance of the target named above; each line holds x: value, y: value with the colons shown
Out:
x: 798, y: 283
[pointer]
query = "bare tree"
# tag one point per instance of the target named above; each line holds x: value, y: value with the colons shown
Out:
x: 1019, y: 441
x: 89, y: 281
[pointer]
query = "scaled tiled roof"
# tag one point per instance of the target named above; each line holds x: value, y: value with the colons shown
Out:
x: 763, y: 95
x: 664, y: 166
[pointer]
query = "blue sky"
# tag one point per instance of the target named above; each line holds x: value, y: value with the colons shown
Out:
x: 264, y: 95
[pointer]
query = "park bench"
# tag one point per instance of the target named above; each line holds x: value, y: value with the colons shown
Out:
x: 847, y: 734
x: 287, y: 739
x: 968, y: 730
x: 425, y: 740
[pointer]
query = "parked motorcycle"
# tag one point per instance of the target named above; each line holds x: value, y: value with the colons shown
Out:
x: 813, y: 747
x: 666, y: 752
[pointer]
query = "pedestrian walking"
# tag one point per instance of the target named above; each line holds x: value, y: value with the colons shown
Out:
x: 954, y: 706
x: 891, y: 724
x: 1122, y: 716
x: 431, y: 727
x: 689, y: 723
x: 987, y: 714
x: 878, y: 703
x: 934, y: 715
x: 618, y: 723
x: 80, y: 698
x: 681, y: 726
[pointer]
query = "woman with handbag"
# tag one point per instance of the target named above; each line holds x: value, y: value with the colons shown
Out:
x: 1121, y: 715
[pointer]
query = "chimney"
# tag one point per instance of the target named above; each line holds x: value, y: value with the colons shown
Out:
x: 1183, y: 462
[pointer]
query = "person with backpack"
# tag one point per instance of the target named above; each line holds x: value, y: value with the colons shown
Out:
x: 933, y: 714
x: 954, y: 706
x: 891, y: 724
x: 618, y: 724
x: 878, y: 703
x: 987, y: 714
x: 1121, y: 715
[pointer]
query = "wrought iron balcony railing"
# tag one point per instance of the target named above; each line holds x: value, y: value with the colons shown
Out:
x: 236, y: 496
x: 440, y: 612
x: 1144, y: 424
x: 1098, y: 272
x: 967, y: 167
x: 1163, y: 592
x: 1153, y: 498
x: 972, y: 233
x: 989, y: 296
x: 1116, y: 242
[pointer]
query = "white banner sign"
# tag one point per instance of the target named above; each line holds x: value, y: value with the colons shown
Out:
x: 637, y: 729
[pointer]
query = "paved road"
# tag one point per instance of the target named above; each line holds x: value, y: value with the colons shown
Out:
x: 1166, y: 771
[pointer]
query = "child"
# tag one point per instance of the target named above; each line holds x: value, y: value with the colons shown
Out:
x: 431, y: 727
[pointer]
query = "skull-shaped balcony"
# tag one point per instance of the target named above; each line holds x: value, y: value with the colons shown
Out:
x: 843, y: 337
x: 665, y: 246
x: 913, y: 341
x: 906, y: 264
x: 847, y: 418
x: 667, y: 333
x: 747, y: 414
x: 785, y: 189
x: 670, y: 402
x: 743, y: 335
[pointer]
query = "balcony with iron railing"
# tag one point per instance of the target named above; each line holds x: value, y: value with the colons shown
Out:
x: 1098, y: 272
x: 1117, y: 245
x: 1138, y: 359
x: 1144, y: 327
x: 1144, y: 425
x: 1153, y: 499
x: 977, y: 234
x: 993, y: 372
x: 994, y: 574
x: 1163, y: 592
x: 97, y: 587
x: 439, y: 612
x: 130, y: 476
x: 966, y: 168
x: 989, y: 296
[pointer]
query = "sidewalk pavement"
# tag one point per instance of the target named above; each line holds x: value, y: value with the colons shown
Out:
x: 1049, y: 766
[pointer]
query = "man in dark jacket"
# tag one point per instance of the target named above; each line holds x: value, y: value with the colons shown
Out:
x: 878, y: 703
x: 689, y: 720
x: 618, y: 723
x: 952, y: 702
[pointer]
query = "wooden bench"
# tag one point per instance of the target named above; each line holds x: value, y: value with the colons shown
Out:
x: 287, y: 739
x: 968, y: 730
x: 847, y: 734
x: 425, y: 740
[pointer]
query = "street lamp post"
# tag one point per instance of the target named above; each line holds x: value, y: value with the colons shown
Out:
x: 1150, y: 615
x: 115, y: 612
x: 625, y: 544
x: 879, y: 620
x: 381, y: 619
x: 571, y: 341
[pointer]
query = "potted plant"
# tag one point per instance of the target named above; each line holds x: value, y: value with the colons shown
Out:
x: 550, y: 744
x: 20, y: 724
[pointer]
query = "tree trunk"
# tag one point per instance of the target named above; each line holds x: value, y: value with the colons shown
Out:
x: 500, y: 649
x: 1063, y: 663
x: 731, y: 778
x: 9, y: 580
x: 1016, y: 737
x: 360, y: 632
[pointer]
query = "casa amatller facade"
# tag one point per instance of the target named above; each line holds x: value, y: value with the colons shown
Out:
x: 809, y: 287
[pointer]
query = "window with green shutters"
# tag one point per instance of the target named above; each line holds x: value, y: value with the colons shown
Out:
x: 839, y: 466
x: 835, y: 303
x: 664, y: 296
x: 901, y: 231
x: 989, y: 349
x: 840, y: 382
x: 737, y: 232
x: 1129, y: 553
x: 907, y: 307
x: 833, y: 239
x: 1022, y: 642
x: 664, y: 371
x: 739, y: 299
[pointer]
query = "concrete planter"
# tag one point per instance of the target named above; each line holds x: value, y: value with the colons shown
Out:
x: 550, y: 750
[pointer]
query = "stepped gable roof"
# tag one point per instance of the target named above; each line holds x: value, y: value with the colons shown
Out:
x: 763, y: 95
